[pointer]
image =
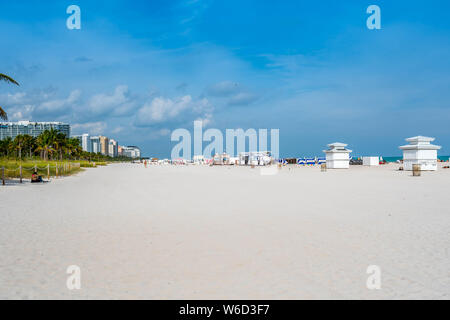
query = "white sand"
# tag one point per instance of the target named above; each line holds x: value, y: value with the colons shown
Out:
x: 227, y: 233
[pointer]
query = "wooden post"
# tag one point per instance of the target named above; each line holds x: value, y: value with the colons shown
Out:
x: 323, y: 167
x: 416, y: 170
x: 3, y: 175
x: 48, y: 172
x: 20, y: 173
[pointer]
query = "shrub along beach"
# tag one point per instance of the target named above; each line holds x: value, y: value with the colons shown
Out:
x: 51, y: 154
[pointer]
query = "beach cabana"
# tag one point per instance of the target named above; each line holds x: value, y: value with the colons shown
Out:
x: 260, y: 158
x: 371, y: 161
x: 221, y: 159
x: 311, y: 161
x: 244, y: 158
x: 420, y: 151
x: 321, y: 160
x: 256, y: 158
x: 337, y: 156
x: 199, y: 159
x: 234, y: 160
x: 301, y: 161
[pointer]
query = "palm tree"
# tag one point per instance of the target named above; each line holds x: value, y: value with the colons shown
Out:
x: 60, y: 144
x: 73, y: 146
x: 46, y: 142
x: 18, y: 143
x: 29, y: 143
x: 4, y: 77
x: 6, y: 146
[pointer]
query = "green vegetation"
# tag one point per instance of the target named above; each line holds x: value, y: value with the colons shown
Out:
x: 50, y: 145
x: 46, y: 169
x: 51, y: 154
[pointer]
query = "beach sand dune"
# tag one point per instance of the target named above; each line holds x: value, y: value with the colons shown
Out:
x: 168, y: 232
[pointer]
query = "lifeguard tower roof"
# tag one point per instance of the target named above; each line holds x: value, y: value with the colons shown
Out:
x: 337, y: 147
x: 420, y: 143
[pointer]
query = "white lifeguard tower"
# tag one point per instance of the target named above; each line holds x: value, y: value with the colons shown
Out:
x: 420, y: 151
x: 337, y: 157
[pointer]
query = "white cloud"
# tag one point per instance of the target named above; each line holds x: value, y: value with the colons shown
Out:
x: 206, y: 119
x: 161, y: 109
x: 90, y: 127
x: 38, y: 105
x: 59, y: 105
x: 23, y: 113
x: 118, y: 104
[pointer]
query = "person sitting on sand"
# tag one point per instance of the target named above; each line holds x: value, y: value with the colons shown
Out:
x: 35, y: 178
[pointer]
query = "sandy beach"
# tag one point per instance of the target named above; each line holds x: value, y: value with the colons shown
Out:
x: 194, y: 232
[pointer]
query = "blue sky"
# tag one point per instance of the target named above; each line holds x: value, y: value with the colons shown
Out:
x: 312, y: 69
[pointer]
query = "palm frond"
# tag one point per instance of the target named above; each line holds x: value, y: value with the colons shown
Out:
x: 3, y: 114
x: 6, y: 78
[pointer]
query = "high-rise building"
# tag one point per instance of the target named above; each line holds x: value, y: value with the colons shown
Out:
x: 85, y: 142
x: 104, y: 145
x: 113, y: 148
x: 34, y: 129
x: 131, y: 152
x: 96, y: 145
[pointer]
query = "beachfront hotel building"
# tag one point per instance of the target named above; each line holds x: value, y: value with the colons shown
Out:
x: 104, y: 145
x: 34, y: 129
x: 113, y: 148
x: 131, y: 152
x: 100, y: 144
x: 95, y: 143
x: 85, y: 142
